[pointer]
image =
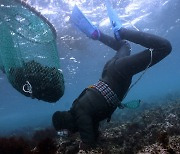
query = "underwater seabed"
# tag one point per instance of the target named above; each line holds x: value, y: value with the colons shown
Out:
x: 152, y: 129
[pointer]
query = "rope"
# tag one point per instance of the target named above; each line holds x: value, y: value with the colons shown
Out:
x: 151, y: 51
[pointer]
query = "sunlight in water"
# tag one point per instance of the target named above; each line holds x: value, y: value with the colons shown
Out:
x: 131, y: 14
x: 73, y: 2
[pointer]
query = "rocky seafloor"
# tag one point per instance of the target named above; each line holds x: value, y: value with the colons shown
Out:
x: 152, y: 129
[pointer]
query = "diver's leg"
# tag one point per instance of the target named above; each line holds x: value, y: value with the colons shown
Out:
x: 109, y: 41
x: 147, y: 40
x: 122, y: 47
x: 136, y: 63
x: 125, y: 49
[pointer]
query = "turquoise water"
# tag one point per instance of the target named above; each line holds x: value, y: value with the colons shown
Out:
x: 82, y: 59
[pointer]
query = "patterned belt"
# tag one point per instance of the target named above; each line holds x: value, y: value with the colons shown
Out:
x: 108, y: 94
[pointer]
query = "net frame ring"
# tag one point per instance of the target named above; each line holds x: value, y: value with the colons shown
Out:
x: 29, y: 87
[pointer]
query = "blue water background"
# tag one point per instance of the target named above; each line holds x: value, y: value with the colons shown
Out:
x: 82, y: 59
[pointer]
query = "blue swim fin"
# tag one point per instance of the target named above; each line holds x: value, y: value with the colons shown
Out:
x: 83, y: 24
x: 114, y: 19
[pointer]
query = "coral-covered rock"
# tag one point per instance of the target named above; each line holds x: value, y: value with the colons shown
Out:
x: 152, y: 131
x: 148, y: 131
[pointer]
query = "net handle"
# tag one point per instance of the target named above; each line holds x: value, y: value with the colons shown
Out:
x: 26, y: 5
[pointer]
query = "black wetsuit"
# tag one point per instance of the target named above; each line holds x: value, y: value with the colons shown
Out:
x: 91, y: 107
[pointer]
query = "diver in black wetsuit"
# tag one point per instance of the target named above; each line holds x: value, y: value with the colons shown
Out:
x: 100, y: 100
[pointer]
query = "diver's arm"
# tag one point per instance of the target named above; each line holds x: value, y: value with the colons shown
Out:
x: 109, y: 41
x: 86, y: 130
x: 96, y: 130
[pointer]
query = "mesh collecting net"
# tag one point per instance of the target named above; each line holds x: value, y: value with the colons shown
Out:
x: 28, y: 52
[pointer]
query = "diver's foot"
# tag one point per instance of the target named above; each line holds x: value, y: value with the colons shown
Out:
x: 95, y: 35
x: 117, y: 34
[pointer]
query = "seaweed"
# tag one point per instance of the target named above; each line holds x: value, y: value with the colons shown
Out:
x: 42, y: 142
x: 14, y: 145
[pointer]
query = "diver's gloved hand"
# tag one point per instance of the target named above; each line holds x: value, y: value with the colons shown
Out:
x: 96, y: 34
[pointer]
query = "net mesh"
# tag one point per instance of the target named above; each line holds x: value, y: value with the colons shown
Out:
x: 1, y: 64
x: 28, y: 52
